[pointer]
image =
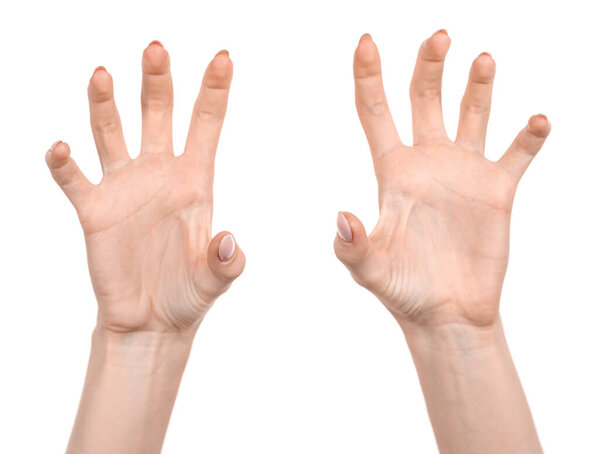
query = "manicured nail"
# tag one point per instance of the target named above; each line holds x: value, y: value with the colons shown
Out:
x: 156, y: 42
x: 364, y: 37
x: 223, y: 52
x: 343, y: 228
x: 226, y: 248
x: 99, y: 68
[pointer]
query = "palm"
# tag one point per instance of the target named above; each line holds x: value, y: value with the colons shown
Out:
x: 439, y: 226
x: 146, y: 250
x: 440, y: 248
x: 147, y: 224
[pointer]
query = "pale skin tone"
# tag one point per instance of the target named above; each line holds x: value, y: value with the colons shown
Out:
x: 155, y: 267
x: 436, y: 258
x: 438, y: 254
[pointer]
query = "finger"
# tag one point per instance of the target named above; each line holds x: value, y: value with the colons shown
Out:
x: 352, y: 248
x: 476, y: 103
x: 426, y: 89
x: 225, y: 259
x: 209, y: 109
x: 66, y: 173
x: 524, y: 148
x: 105, y: 121
x: 371, y: 103
x: 157, y: 100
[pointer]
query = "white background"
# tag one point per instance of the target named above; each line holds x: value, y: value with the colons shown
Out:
x: 296, y: 358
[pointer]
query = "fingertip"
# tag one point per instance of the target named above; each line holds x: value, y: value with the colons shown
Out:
x: 351, y: 242
x: 100, y: 85
x: 539, y: 125
x: 438, y: 43
x: 100, y: 76
x: 366, y: 47
x: 343, y: 228
x: 65, y: 172
x: 155, y: 59
x: 526, y: 146
x: 61, y: 150
x: 486, y: 56
x: 226, y: 248
x: 219, y: 71
x: 222, y: 63
x: 225, y: 257
x: 57, y: 153
x: 365, y: 36
x: 484, y: 66
x: 366, y: 44
x: 366, y: 57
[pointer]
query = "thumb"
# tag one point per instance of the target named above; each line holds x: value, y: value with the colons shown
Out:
x: 225, y: 259
x: 351, y: 243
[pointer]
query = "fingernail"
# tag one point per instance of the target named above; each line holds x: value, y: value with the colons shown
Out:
x: 486, y: 53
x: 226, y: 248
x: 365, y: 36
x: 443, y: 31
x: 53, y: 146
x: 223, y: 52
x: 156, y: 42
x: 99, y: 68
x: 343, y: 228
x: 545, y: 118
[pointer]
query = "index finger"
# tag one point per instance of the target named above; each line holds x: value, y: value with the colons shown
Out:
x: 371, y: 102
x: 210, y: 108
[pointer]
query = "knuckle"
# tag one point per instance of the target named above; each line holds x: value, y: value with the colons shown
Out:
x: 109, y: 127
x: 155, y: 101
x: 376, y: 107
x: 427, y: 93
x: 478, y: 109
x: 207, y: 115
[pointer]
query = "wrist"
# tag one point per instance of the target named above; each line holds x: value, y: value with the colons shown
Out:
x: 141, y: 352
x: 473, y: 393
x: 454, y: 339
x: 129, y: 391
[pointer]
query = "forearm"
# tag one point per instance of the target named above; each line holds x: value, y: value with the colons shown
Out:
x: 474, y: 397
x: 129, y: 392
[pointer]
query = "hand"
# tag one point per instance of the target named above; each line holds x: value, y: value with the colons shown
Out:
x: 147, y: 224
x: 440, y: 249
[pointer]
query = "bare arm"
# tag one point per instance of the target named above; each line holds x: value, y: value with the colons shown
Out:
x: 438, y: 255
x: 154, y: 267
x: 129, y: 391
x: 473, y: 393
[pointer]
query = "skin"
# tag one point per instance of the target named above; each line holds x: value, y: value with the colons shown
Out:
x: 154, y: 265
x: 439, y: 252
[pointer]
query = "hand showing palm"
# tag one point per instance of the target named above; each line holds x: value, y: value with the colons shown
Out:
x: 147, y: 224
x: 440, y: 249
